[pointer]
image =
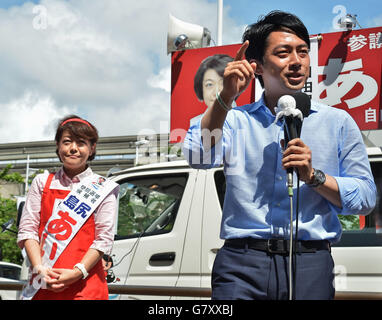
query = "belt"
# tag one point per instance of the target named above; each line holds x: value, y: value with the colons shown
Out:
x: 278, y: 246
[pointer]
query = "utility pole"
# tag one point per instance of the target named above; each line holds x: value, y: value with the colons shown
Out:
x: 220, y: 23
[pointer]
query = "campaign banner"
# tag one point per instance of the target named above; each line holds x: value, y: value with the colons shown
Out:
x: 345, y: 73
x: 349, y: 74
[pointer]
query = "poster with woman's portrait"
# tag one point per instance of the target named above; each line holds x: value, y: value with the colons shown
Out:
x: 196, y: 77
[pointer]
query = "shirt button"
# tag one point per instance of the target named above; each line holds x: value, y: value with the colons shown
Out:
x: 280, y: 178
x: 278, y: 204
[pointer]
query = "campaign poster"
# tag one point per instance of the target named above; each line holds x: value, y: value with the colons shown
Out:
x: 349, y: 74
x: 196, y: 76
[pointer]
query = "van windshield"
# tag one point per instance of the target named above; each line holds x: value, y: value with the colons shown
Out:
x: 149, y: 205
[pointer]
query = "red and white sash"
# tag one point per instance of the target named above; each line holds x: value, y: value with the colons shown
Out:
x: 66, y: 220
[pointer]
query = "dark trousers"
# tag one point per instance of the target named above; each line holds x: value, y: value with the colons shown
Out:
x: 248, y: 274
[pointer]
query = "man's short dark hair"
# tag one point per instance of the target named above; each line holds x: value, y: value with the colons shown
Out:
x: 257, y: 33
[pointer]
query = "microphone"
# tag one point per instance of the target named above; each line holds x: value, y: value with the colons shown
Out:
x: 292, y: 108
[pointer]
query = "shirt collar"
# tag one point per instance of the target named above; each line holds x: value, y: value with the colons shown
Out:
x: 261, y: 103
x: 79, y: 177
x: 253, y: 107
x: 313, y: 106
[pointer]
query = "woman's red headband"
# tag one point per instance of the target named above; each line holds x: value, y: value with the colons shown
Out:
x: 76, y: 120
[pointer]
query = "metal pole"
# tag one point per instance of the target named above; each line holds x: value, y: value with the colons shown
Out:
x: 220, y: 23
x: 27, y: 176
x: 290, y: 188
x: 136, y: 154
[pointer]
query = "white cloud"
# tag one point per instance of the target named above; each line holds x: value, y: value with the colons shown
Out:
x: 105, y: 59
x: 30, y: 118
x: 162, y: 80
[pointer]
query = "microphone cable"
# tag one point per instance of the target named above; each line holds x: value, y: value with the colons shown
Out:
x: 290, y: 193
x: 296, y: 236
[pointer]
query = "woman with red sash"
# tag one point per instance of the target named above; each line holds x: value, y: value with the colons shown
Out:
x: 78, y: 273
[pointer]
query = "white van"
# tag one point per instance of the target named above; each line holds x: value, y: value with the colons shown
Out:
x: 167, y: 233
x: 9, y: 272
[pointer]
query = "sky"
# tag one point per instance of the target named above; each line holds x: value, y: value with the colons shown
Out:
x: 106, y: 60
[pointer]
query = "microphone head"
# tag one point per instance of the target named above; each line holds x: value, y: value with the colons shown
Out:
x: 302, y: 102
x: 286, y: 102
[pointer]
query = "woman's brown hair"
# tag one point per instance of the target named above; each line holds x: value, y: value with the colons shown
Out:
x: 78, y: 129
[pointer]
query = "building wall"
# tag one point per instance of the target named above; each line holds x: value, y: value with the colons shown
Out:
x: 8, y: 190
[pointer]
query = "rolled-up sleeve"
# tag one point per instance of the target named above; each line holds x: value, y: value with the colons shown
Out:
x: 104, y: 218
x: 30, y: 218
x: 358, y: 195
x: 356, y: 183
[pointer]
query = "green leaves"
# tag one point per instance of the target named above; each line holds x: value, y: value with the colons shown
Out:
x: 11, y: 177
x: 9, y: 250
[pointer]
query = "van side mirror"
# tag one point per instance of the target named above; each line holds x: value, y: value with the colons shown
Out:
x: 19, y: 213
x: 6, y: 226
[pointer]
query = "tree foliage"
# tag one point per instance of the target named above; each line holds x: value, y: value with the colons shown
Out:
x: 349, y: 222
x: 8, y: 246
x: 10, y: 177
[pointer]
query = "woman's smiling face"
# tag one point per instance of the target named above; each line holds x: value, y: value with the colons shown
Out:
x: 74, y: 153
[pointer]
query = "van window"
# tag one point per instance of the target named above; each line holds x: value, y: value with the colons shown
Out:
x: 10, y: 272
x: 149, y: 205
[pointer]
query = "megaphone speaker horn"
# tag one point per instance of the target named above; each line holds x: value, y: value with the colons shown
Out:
x: 183, y: 35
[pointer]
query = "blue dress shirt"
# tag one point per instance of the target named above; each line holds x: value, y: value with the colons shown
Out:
x: 256, y: 201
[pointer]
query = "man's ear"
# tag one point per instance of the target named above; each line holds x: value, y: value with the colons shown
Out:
x: 259, y: 67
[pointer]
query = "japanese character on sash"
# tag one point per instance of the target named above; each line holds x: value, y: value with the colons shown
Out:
x: 82, y: 209
x: 71, y: 202
x: 62, y: 228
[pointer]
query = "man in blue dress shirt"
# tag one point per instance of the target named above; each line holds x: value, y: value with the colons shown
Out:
x: 330, y: 158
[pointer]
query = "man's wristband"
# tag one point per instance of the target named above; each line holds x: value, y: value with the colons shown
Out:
x: 82, y: 268
x: 222, y: 103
